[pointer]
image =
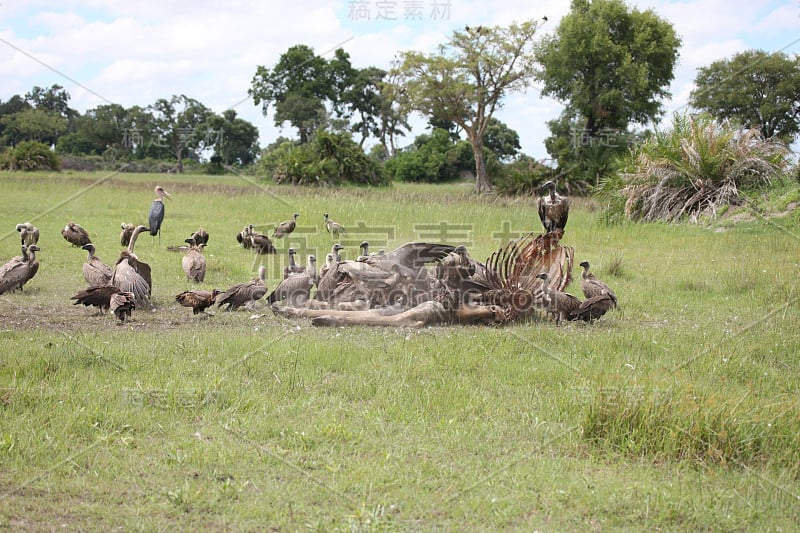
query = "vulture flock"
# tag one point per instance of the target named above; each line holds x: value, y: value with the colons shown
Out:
x: 414, y: 285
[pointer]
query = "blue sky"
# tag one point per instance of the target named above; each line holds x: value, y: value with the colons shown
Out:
x: 134, y: 53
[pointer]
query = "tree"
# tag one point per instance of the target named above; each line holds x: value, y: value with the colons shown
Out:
x: 39, y: 125
x: 756, y: 88
x: 501, y: 140
x: 176, y: 121
x: 235, y: 140
x: 466, y: 79
x: 609, y: 65
x: 55, y: 99
x: 297, y: 87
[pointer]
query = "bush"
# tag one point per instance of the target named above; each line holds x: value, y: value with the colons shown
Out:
x: 434, y: 158
x: 696, y: 168
x: 523, y: 177
x: 29, y: 155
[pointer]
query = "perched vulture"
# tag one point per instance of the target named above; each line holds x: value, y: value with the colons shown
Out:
x: 29, y: 234
x: 285, y: 228
x: 19, y: 270
x: 132, y: 275
x: 244, y: 293
x: 296, y: 288
x: 334, y: 228
x: 95, y: 272
x: 194, y: 262
x: 75, y: 234
x: 553, y: 209
x: 591, y: 286
x: 199, y: 300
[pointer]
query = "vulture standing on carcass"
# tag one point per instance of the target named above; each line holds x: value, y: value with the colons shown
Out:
x: 198, y: 299
x: 75, y: 234
x: 244, y: 293
x: 105, y: 297
x: 559, y: 304
x: 285, y: 228
x: 29, y: 234
x: 591, y: 286
x: 296, y: 288
x: 334, y: 228
x: 156, y: 216
x: 132, y: 275
x: 194, y: 262
x: 125, y: 234
x: 553, y: 209
x: 95, y: 272
x: 19, y: 270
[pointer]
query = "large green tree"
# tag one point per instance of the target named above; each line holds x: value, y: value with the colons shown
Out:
x: 297, y: 87
x: 610, y: 65
x: 234, y: 140
x: 176, y: 122
x: 465, y: 80
x: 755, y: 88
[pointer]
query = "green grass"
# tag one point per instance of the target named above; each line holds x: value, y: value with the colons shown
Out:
x: 679, y: 411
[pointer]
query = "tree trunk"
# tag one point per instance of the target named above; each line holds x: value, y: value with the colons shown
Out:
x: 179, y: 156
x: 482, y: 184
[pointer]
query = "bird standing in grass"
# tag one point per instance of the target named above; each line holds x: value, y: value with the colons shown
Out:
x: 199, y: 300
x: 332, y: 227
x: 244, y: 293
x: 75, y: 234
x: 285, y: 228
x: 194, y: 262
x: 156, y: 216
x: 591, y: 286
x: 29, y: 234
x: 95, y: 272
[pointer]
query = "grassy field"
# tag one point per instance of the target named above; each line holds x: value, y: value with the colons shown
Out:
x: 679, y: 411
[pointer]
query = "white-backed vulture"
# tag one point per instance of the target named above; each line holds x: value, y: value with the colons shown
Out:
x: 107, y: 297
x: 244, y: 293
x: 29, y: 234
x: 334, y: 228
x: 200, y: 236
x: 75, y: 234
x: 285, y: 228
x: 558, y: 304
x: 132, y: 275
x: 95, y: 272
x: 19, y: 270
x: 553, y: 209
x: 261, y: 244
x: 194, y: 262
x: 243, y: 237
x: 295, y: 289
x: 591, y: 286
x: 125, y: 234
x: 199, y: 300
x: 592, y: 308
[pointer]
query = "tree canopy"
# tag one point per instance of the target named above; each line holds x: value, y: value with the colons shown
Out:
x: 755, y: 88
x: 465, y: 80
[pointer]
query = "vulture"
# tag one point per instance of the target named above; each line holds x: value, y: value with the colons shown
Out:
x: 194, y: 263
x: 132, y: 275
x: 261, y: 244
x: 156, y: 216
x: 243, y: 237
x: 244, y: 293
x: 592, y: 308
x: 292, y: 267
x: 18, y: 270
x: 75, y: 234
x: 296, y: 288
x: 327, y: 279
x: 106, y: 297
x: 29, y: 234
x: 95, y: 272
x: 125, y: 234
x: 200, y: 236
x: 285, y: 228
x: 199, y: 300
x: 334, y: 228
x: 559, y: 304
x: 591, y: 286
x: 553, y: 209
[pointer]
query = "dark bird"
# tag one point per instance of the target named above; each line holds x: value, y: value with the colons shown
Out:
x: 132, y: 275
x: 591, y: 286
x: 334, y: 228
x: 544, y: 18
x: 29, y: 234
x: 244, y: 293
x: 19, y: 270
x: 553, y: 208
x: 194, y: 262
x: 363, y: 249
x: 285, y: 228
x: 105, y: 298
x: 125, y: 234
x: 592, y: 308
x: 335, y: 249
x: 75, y: 234
x: 199, y: 300
x: 156, y: 217
x: 559, y: 304
x: 243, y: 237
x: 95, y: 272
x: 296, y: 288
x: 292, y: 267
x: 200, y: 236
x: 261, y: 244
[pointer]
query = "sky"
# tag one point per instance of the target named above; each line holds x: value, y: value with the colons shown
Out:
x: 133, y: 53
